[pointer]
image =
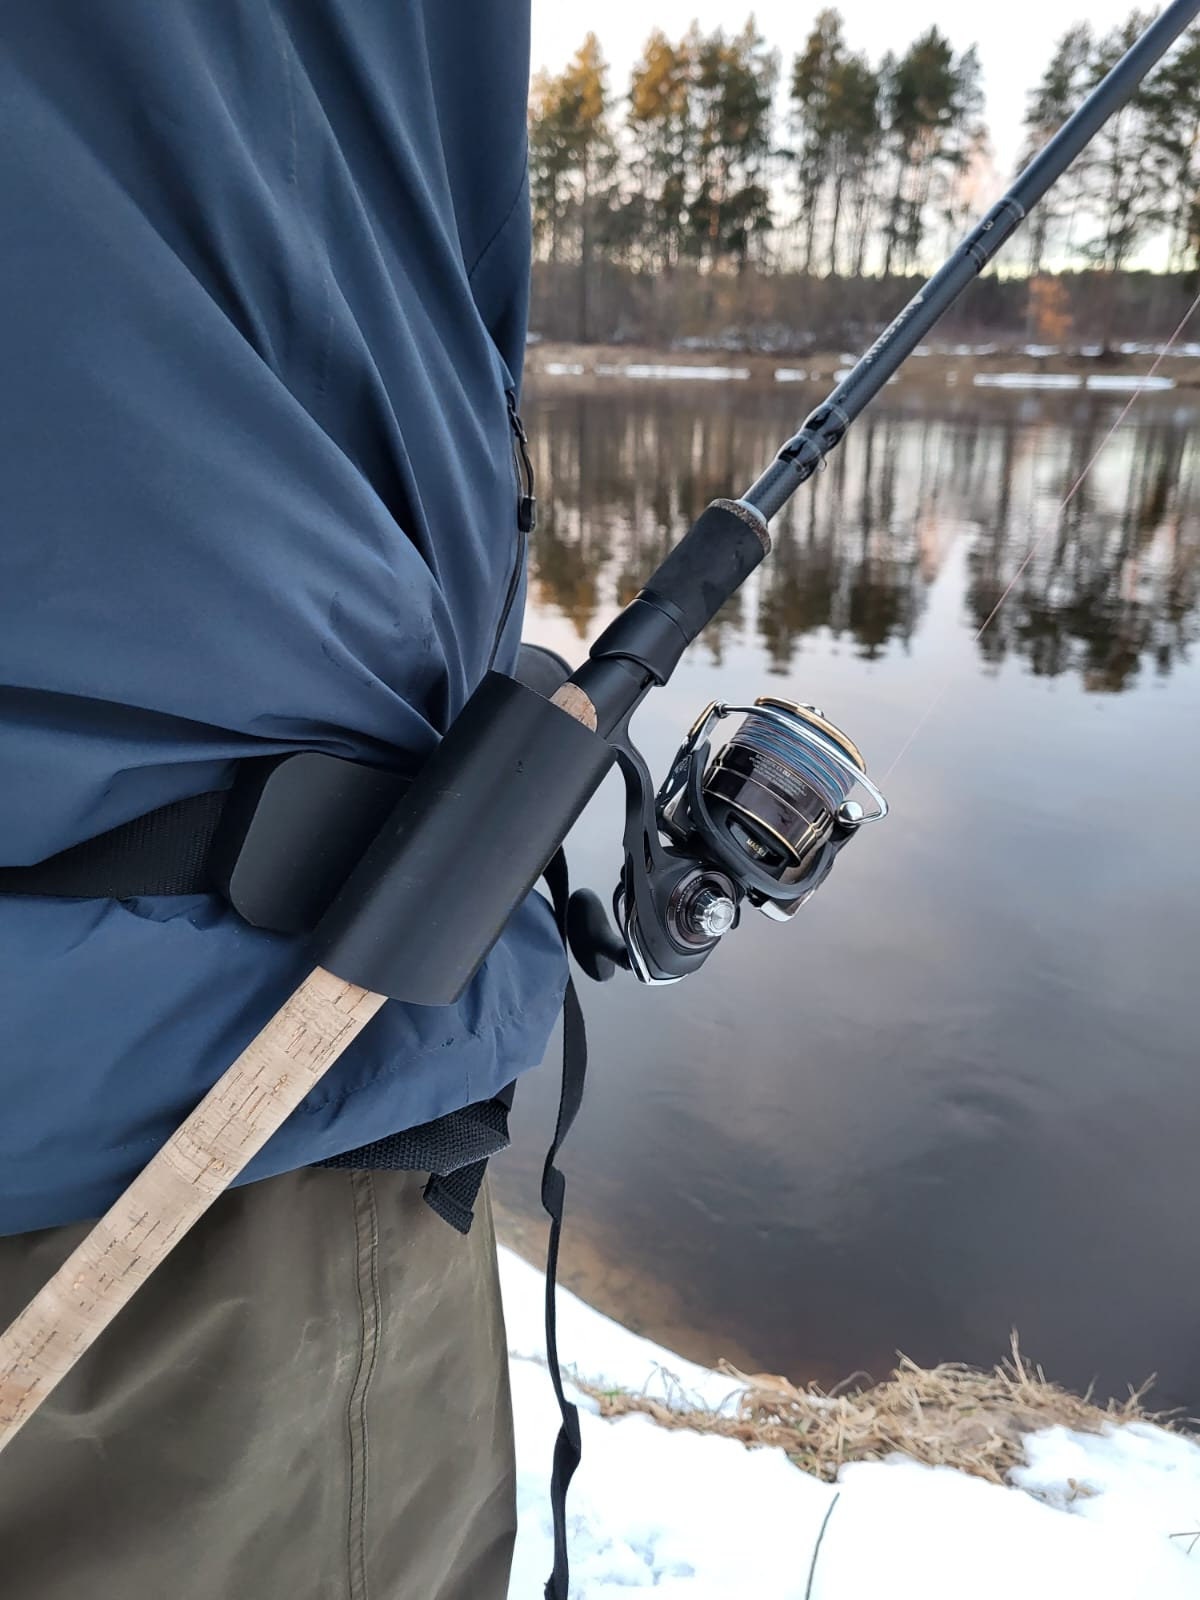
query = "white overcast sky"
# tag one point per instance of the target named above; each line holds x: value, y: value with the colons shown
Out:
x: 1014, y: 36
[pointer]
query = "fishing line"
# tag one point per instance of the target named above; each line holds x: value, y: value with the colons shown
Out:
x: 936, y: 702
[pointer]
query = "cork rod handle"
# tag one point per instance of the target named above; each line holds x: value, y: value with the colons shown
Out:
x: 198, y: 1162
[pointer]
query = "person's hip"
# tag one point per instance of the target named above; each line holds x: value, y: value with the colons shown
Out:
x: 309, y: 1401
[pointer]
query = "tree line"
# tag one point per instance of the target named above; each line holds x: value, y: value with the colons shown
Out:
x: 717, y: 160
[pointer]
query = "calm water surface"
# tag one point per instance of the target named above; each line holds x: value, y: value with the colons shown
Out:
x: 961, y: 1092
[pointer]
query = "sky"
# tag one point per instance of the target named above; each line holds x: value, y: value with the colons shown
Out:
x: 1014, y: 36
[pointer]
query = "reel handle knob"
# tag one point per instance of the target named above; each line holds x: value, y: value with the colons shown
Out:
x: 594, y: 942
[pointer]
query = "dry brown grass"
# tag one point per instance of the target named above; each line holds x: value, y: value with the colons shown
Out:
x: 949, y: 1415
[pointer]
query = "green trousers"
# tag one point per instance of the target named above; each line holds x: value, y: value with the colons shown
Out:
x: 308, y: 1401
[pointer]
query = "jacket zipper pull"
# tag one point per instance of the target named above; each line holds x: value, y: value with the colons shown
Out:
x: 527, y: 503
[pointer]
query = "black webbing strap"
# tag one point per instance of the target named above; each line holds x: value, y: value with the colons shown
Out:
x: 567, y: 1447
x: 164, y: 852
x: 454, y: 1150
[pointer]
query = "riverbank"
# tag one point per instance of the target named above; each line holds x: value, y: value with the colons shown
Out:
x: 1069, y: 1501
x: 1049, y: 366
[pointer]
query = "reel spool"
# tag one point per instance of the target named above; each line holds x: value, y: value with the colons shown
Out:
x: 760, y: 821
x: 771, y: 799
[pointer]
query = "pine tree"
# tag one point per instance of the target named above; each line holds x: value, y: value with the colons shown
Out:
x: 733, y: 87
x: 1062, y: 87
x: 813, y: 93
x: 920, y: 94
x: 1124, y: 170
x: 573, y: 162
x: 1173, y: 96
x: 963, y: 148
x: 660, y: 123
x: 854, y: 116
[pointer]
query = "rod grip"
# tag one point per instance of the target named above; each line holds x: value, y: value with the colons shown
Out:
x: 710, y: 563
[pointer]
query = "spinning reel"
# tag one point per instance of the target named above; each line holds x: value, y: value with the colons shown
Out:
x: 760, y: 822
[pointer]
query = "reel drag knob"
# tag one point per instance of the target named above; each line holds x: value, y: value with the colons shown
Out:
x: 702, y: 908
x: 711, y: 913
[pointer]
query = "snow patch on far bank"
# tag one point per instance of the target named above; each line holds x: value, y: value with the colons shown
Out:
x: 1027, y: 380
x: 662, y: 370
x: 1111, y: 383
x: 696, y: 1517
x: 1116, y: 383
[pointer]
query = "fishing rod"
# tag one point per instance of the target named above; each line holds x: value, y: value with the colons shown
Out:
x: 759, y: 824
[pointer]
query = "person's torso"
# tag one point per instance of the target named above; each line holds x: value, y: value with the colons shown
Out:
x: 262, y: 292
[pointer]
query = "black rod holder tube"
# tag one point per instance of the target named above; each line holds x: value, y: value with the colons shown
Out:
x: 463, y: 847
x: 826, y: 426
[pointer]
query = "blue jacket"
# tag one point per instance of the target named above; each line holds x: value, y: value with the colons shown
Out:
x: 263, y: 287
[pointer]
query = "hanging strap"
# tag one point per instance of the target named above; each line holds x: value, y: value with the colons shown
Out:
x: 567, y: 1447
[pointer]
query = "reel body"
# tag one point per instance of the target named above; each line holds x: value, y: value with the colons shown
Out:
x: 760, y: 823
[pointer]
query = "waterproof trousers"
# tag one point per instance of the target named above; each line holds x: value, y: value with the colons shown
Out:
x: 308, y: 1401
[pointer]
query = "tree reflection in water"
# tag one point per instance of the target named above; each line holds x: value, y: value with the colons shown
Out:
x: 1110, y: 592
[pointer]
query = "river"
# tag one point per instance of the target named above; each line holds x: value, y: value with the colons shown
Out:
x: 961, y: 1092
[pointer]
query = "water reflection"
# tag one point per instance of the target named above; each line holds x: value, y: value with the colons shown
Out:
x: 961, y: 1092
x: 1110, y: 588
x: 1114, y: 586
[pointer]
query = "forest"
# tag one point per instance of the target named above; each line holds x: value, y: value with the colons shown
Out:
x: 730, y: 197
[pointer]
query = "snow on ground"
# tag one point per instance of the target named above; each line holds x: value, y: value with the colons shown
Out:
x: 1113, y: 383
x: 702, y: 1518
x: 1027, y: 380
x: 1118, y: 383
x: 658, y: 369
x: 1188, y: 351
